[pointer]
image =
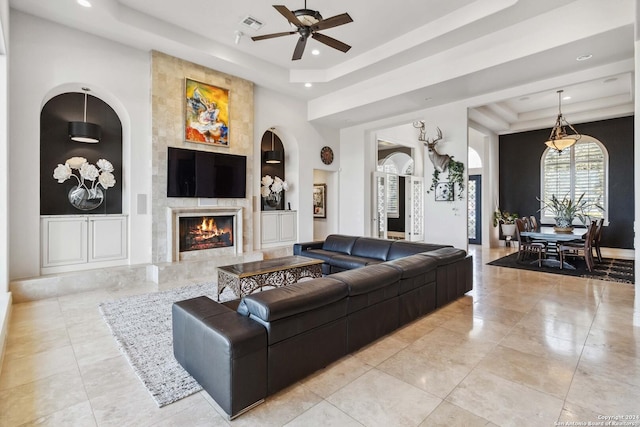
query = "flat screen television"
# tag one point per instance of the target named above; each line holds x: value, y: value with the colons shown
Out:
x: 192, y: 173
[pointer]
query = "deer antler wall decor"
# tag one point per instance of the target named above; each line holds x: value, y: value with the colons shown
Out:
x: 441, y: 162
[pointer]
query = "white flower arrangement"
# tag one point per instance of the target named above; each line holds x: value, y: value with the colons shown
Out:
x: 273, y: 186
x: 101, y: 175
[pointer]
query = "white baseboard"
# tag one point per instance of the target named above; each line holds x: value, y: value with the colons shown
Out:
x: 5, y: 312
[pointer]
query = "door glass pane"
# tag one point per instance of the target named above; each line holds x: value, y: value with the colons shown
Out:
x: 471, y: 192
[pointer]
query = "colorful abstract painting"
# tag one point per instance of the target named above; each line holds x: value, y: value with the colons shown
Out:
x: 206, y: 114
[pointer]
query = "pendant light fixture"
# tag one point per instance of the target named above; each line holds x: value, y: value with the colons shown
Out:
x: 84, y: 131
x: 559, y: 139
x: 272, y: 156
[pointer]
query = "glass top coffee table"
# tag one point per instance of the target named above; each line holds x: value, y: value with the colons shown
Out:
x: 248, y: 277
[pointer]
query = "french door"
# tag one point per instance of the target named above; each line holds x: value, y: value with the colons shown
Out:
x: 384, y: 202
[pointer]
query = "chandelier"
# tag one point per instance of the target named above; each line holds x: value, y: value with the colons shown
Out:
x: 560, y: 139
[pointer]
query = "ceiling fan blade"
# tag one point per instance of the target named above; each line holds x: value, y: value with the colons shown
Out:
x: 270, y: 36
x: 299, y: 50
x: 331, y: 42
x: 289, y: 16
x: 334, y: 21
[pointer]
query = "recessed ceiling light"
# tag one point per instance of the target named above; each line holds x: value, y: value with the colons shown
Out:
x: 315, y: 52
x: 84, y: 3
x: 610, y: 80
x: 584, y: 57
x: 308, y: 85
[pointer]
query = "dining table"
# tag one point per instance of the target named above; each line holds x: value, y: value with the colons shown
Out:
x: 552, y: 237
x: 549, y: 234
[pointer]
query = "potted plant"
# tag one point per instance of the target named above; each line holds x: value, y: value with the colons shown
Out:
x: 507, y: 221
x: 565, y: 210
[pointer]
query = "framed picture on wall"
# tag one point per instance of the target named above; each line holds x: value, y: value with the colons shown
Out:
x: 206, y: 114
x: 319, y: 200
x: 444, y: 192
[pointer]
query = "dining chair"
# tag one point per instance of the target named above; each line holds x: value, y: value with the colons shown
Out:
x: 596, y: 239
x: 581, y: 249
x: 526, y: 246
x: 534, y: 223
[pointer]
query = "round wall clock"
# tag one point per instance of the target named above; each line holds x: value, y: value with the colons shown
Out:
x: 326, y: 154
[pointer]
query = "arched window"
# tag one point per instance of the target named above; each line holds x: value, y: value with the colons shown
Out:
x: 475, y: 162
x: 581, y: 169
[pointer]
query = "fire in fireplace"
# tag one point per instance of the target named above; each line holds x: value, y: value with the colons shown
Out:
x: 205, y: 232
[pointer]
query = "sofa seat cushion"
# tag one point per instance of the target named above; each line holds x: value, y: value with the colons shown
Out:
x: 368, y: 247
x: 370, y: 285
x: 319, y: 254
x: 401, y: 249
x: 348, y: 262
x: 295, y: 309
x: 339, y: 243
x: 446, y: 255
x: 194, y: 318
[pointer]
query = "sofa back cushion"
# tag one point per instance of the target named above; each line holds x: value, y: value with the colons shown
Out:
x: 370, y: 285
x: 445, y: 256
x: 368, y: 247
x: 401, y: 248
x: 296, y: 309
x: 339, y: 243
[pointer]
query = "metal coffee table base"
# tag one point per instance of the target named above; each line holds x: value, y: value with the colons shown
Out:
x: 246, y: 285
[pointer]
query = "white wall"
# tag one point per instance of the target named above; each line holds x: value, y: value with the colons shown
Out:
x: 48, y: 59
x: 302, y: 143
x: 445, y: 222
x: 322, y: 227
x: 5, y: 296
x: 636, y: 149
x: 4, y: 150
x: 357, y: 145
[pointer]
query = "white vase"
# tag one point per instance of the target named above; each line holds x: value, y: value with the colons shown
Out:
x: 508, y: 229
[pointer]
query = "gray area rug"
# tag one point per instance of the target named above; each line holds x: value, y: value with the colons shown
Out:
x: 141, y: 325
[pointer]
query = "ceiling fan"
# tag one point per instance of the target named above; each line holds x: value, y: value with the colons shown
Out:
x: 308, y: 22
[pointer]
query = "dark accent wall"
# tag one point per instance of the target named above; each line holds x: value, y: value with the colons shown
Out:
x: 520, y: 155
x: 56, y: 147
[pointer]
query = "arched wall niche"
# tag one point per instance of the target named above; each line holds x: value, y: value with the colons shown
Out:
x: 270, y: 140
x: 56, y: 148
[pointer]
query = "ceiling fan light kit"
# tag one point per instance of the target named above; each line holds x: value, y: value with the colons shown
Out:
x: 307, y: 23
x: 308, y: 17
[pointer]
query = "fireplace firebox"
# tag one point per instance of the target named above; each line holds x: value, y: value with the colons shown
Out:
x: 205, y: 232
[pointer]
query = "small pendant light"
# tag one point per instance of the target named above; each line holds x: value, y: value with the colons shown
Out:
x: 84, y: 131
x: 272, y: 156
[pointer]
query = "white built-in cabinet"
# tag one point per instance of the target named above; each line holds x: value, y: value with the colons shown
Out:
x: 78, y: 242
x: 279, y: 228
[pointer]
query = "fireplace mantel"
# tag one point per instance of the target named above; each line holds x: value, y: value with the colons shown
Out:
x: 173, y: 215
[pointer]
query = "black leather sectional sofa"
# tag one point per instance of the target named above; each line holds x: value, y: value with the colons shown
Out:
x: 245, y: 350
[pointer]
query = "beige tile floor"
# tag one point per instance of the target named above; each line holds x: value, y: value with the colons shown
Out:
x: 522, y: 349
